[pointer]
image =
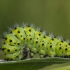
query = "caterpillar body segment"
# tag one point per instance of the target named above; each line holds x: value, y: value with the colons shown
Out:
x: 30, y: 32
x: 51, y: 47
x: 10, y: 49
x: 24, y: 40
x: 37, y: 38
x: 12, y: 40
x: 43, y: 46
x: 14, y: 56
x: 20, y: 34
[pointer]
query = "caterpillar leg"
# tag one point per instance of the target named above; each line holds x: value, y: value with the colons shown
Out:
x: 51, y: 54
x: 31, y: 54
x: 43, y: 56
x: 67, y: 56
x: 42, y: 53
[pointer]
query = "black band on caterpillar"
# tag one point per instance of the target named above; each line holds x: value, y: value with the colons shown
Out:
x: 25, y: 53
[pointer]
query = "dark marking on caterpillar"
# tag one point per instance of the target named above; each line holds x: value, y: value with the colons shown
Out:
x: 5, y: 38
x: 15, y: 49
x: 60, y: 48
x: 18, y: 31
x: 43, y: 44
x: 25, y: 53
x: 36, y: 41
x: 8, y: 50
x: 50, y: 46
x: 18, y: 43
x: 29, y: 30
x: 66, y: 49
x: 10, y: 40
x: 52, y: 38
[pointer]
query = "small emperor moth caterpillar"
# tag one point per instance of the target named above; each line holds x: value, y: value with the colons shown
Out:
x: 26, y: 39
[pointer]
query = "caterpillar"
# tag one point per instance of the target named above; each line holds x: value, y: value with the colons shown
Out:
x: 26, y: 39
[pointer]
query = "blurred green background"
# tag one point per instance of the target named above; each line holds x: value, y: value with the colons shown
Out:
x: 51, y: 15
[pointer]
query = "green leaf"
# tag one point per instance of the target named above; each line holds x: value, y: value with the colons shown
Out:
x: 34, y: 64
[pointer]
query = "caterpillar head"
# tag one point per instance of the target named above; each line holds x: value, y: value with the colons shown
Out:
x: 12, y: 40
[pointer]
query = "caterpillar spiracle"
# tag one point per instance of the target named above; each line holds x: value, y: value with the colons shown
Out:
x: 26, y: 39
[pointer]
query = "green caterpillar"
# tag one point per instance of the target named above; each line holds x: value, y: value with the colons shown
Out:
x: 24, y: 40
